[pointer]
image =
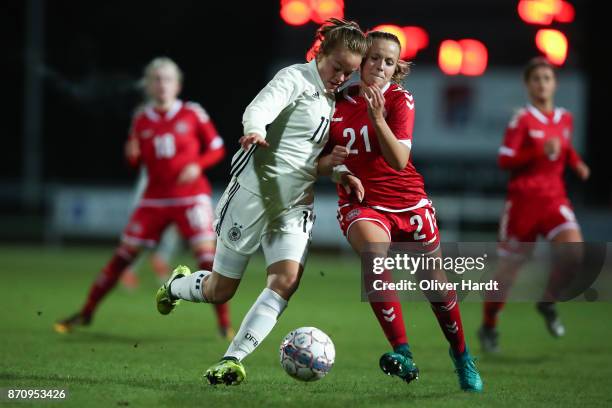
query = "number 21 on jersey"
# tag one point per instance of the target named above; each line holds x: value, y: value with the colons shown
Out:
x: 350, y: 133
x: 418, y: 221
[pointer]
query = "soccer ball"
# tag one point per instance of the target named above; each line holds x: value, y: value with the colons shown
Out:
x: 307, y: 354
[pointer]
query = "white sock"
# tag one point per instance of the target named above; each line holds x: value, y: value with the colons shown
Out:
x: 190, y: 287
x: 257, y: 324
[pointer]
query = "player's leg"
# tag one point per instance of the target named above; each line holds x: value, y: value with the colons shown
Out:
x: 143, y: 229
x: 285, y: 257
x: 283, y: 280
x: 361, y: 233
x: 204, y: 286
x: 567, y: 253
x: 421, y: 226
x: 517, y: 233
x: 508, y: 267
x: 205, y: 252
x: 195, y: 224
x: 129, y: 277
x: 202, y: 239
x: 104, y: 283
x: 285, y: 253
x: 445, y: 305
x: 168, y: 246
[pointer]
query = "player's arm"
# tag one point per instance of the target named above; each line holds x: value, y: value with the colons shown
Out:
x: 575, y: 162
x: 512, y: 154
x: 131, y: 149
x: 395, y: 152
x: 213, y: 148
x: 330, y: 163
x: 331, y: 159
x: 281, y: 91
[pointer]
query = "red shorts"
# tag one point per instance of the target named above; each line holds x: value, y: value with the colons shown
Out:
x: 523, y: 220
x: 417, y: 224
x: 194, y: 221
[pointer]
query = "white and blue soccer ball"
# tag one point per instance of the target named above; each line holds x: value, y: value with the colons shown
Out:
x: 307, y: 354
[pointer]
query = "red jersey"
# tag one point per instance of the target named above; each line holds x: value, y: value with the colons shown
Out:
x: 385, y: 188
x: 534, y: 173
x: 169, y: 141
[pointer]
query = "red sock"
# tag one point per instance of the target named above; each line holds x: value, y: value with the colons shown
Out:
x: 491, y: 312
x: 388, y: 310
x: 389, y: 315
x: 107, y: 279
x: 205, y: 261
x: 449, y: 319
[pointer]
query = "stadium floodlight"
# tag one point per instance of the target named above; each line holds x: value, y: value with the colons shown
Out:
x: 463, y: 57
x: 539, y: 12
x: 416, y: 39
x: 450, y: 57
x: 566, y: 14
x: 324, y: 9
x: 553, y: 44
x: 396, y: 31
x: 475, y: 57
x: 295, y: 12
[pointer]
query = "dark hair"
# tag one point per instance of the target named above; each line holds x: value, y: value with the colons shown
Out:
x: 402, y: 69
x: 336, y: 33
x: 534, y: 63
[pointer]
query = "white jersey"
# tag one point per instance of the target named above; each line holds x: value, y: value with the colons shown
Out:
x: 293, y: 113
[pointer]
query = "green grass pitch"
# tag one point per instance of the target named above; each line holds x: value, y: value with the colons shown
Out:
x: 132, y: 356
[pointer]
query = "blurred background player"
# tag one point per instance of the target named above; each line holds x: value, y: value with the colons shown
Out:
x: 175, y: 141
x: 536, y: 149
x: 269, y: 201
x: 167, y: 247
x: 375, y: 121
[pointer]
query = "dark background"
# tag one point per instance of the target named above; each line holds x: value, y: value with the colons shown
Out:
x: 94, y: 53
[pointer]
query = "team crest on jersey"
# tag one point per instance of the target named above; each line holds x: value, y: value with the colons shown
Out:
x: 235, y: 232
x: 147, y: 133
x: 353, y: 214
x: 181, y: 127
x: 566, y: 133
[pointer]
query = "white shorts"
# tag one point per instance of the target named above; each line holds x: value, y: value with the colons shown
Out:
x: 243, y: 224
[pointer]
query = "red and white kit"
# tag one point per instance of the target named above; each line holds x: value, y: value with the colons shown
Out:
x: 394, y: 199
x: 168, y: 141
x: 537, y: 202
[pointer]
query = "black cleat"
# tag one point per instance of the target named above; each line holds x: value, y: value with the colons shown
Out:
x: 548, y: 310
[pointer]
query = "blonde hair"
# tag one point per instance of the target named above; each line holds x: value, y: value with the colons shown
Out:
x: 402, y: 69
x: 339, y: 33
x: 157, y: 63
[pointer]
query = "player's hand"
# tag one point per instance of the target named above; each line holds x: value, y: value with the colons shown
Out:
x: 376, y: 102
x: 583, y: 171
x: 252, y: 138
x: 132, y: 150
x: 189, y: 174
x: 552, y: 148
x: 352, y: 184
x: 338, y: 155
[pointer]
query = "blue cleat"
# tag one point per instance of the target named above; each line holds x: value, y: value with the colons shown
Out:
x: 399, y: 363
x: 469, y: 377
